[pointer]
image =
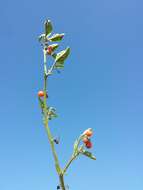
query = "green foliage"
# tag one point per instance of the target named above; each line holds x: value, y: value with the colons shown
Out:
x: 56, y: 37
x: 48, y: 27
x: 42, y: 38
x: 54, y: 46
x: 88, y: 154
x: 75, y: 147
x: 48, y: 112
x: 51, y: 112
x: 59, y: 65
x: 54, y: 55
x: 60, y: 58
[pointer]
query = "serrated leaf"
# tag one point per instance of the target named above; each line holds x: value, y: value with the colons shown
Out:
x: 88, y: 154
x: 56, y: 37
x: 62, y: 56
x: 48, y: 27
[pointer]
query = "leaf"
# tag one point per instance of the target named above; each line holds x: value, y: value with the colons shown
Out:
x: 53, y: 46
x: 51, y: 113
x: 62, y: 56
x: 75, y: 147
x: 42, y: 38
x: 88, y: 154
x: 48, y: 27
x: 54, y: 55
x: 59, y: 65
x: 56, y: 37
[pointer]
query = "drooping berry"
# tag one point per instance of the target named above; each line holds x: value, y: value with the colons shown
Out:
x: 88, y: 144
x: 88, y: 132
x: 49, y: 50
x: 40, y: 93
x: 85, y: 139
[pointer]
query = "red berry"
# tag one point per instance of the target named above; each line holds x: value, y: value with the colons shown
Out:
x: 85, y: 139
x: 88, y: 144
x: 40, y: 93
x: 49, y: 50
x: 88, y: 132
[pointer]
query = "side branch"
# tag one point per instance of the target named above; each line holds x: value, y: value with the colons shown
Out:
x: 69, y: 162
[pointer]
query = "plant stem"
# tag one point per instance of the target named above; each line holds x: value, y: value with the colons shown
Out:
x: 69, y: 162
x: 57, y: 165
x: 75, y: 154
x: 62, y: 185
x: 51, y: 69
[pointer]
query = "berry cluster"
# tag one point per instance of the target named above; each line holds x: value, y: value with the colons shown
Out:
x: 86, y: 138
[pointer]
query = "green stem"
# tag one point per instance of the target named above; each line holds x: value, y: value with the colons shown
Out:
x: 69, y: 162
x: 62, y: 185
x: 75, y: 154
x: 57, y: 165
x: 46, y: 119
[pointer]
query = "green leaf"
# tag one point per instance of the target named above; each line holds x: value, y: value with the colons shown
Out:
x: 59, y: 65
x: 53, y: 46
x: 54, y: 55
x: 63, y: 55
x: 75, y: 147
x: 88, y: 154
x: 48, y: 27
x: 42, y: 38
x: 51, y: 113
x: 56, y: 37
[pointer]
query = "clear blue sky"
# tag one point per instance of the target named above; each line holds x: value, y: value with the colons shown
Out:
x: 100, y: 87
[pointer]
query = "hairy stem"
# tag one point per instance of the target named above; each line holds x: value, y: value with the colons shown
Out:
x: 69, y: 162
x: 75, y: 154
x: 62, y: 185
x: 57, y: 165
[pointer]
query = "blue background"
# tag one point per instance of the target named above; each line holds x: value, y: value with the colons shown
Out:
x: 100, y: 87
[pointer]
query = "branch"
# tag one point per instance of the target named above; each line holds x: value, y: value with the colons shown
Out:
x: 69, y: 163
x: 51, y: 69
x: 75, y: 154
x: 46, y: 119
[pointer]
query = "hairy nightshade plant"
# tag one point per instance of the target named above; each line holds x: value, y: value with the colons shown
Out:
x: 50, y: 46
